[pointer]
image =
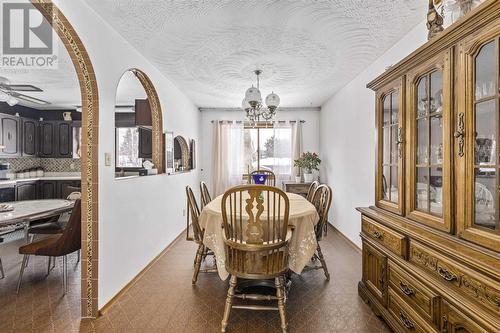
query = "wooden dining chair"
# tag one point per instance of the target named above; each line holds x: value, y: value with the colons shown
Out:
x: 322, y: 200
x: 205, y: 194
x: 57, y: 246
x: 311, y: 190
x: 271, y: 177
x: 256, y: 238
x: 198, y: 233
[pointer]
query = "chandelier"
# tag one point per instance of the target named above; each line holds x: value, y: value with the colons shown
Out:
x: 252, y: 103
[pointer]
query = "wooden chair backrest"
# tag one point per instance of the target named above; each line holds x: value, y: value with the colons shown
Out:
x: 311, y: 190
x: 69, y: 190
x: 255, y: 221
x: 205, y: 194
x: 271, y: 177
x: 322, y: 200
x: 195, y: 215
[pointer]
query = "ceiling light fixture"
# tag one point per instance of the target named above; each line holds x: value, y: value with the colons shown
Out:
x: 12, y: 101
x: 252, y: 103
x: 3, y: 96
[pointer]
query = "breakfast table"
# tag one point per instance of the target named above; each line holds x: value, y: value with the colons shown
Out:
x: 22, y: 213
x: 303, y: 217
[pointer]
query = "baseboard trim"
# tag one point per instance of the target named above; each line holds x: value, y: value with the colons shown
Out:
x: 112, y: 301
x: 353, y: 245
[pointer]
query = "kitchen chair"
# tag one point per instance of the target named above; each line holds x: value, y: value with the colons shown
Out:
x: 322, y: 200
x: 56, y: 246
x: 271, y: 177
x: 205, y: 194
x: 56, y: 225
x: 198, y: 232
x: 311, y: 190
x: 256, y: 244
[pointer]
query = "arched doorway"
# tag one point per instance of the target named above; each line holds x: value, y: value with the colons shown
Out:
x: 89, y: 155
x: 138, y: 111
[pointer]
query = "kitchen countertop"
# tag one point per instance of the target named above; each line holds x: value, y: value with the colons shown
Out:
x: 47, y: 176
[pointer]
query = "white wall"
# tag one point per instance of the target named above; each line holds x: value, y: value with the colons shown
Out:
x: 310, y: 133
x: 347, y: 141
x: 138, y: 217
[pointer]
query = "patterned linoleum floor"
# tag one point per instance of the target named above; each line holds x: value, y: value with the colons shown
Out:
x: 164, y: 300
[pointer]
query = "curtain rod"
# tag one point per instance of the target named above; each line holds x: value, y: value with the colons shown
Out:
x: 258, y: 122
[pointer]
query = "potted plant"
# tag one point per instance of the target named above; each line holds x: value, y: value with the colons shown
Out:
x: 308, y: 162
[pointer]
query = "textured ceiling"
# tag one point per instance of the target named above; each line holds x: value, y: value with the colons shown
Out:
x: 307, y: 49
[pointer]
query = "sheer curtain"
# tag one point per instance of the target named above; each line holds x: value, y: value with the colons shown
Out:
x: 228, y: 152
x: 296, y: 144
x: 283, y: 162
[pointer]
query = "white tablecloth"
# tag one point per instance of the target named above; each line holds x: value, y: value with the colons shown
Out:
x: 303, y: 217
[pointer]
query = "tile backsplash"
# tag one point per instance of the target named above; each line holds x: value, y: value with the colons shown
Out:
x: 48, y: 164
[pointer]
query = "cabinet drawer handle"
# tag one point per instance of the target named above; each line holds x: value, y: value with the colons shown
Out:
x: 460, y: 134
x: 406, y: 289
x: 406, y: 322
x: 447, y: 275
x: 400, y: 142
x: 377, y: 235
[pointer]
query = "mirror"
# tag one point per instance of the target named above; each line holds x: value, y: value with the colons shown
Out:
x: 133, y: 128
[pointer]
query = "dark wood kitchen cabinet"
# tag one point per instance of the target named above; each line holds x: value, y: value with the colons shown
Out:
x: 56, y: 139
x: 143, y: 113
x: 64, y: 139
x: 10, y: 128
x: 145, y: 143
x: 55, y: 189
x: 62, y: 187
x: 47, y: 189
x: 29, y: 133
x: 26, y: 191
x: 47, y: 139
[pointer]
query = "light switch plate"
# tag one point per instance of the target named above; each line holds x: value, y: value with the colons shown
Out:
x: 107, y: 159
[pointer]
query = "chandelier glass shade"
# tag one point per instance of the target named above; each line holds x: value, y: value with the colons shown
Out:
x: 252, y: 103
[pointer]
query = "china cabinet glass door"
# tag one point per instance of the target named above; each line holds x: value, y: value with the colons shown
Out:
x: 482, y: 221
x: 429, y: 161
x: 390, y: 153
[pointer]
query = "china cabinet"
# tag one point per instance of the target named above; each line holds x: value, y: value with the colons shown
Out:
x: 431, y: 242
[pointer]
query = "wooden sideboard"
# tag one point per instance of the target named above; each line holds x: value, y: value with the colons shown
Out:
x: 297, y: 188
x: 431, y: 243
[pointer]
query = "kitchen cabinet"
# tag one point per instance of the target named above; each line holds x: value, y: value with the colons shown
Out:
x: 145, y: 143
x: 56, y: 139
x: 47, y: 189
x: 55, y: 189
x: 143, y: 113
x: 63, y: 185
x: 26, y: 191
x: 29, y: 137
x: 10, y: 127
x: 47, y: 139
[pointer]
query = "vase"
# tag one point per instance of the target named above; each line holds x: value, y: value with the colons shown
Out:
x: 297, y: 179
x: 308, y: 177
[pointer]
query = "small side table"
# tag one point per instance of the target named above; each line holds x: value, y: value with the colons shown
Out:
x: 297, y: 188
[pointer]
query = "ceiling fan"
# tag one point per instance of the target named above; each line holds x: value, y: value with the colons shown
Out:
x: 9, y: 93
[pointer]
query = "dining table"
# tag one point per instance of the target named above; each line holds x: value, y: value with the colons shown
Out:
x: 302, y: 216
x: 23, y: 213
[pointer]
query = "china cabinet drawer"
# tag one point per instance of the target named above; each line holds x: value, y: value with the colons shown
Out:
x: 409, y: 320
x: 472, y: 284
x: 416, y: 294
x: 392, y: 240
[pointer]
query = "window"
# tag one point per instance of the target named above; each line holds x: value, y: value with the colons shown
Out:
x: 268, y: 148
x: 127, y: 148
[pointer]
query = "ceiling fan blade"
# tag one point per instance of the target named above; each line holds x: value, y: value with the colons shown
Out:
x: 30, y: 99
x: 22, y: 87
